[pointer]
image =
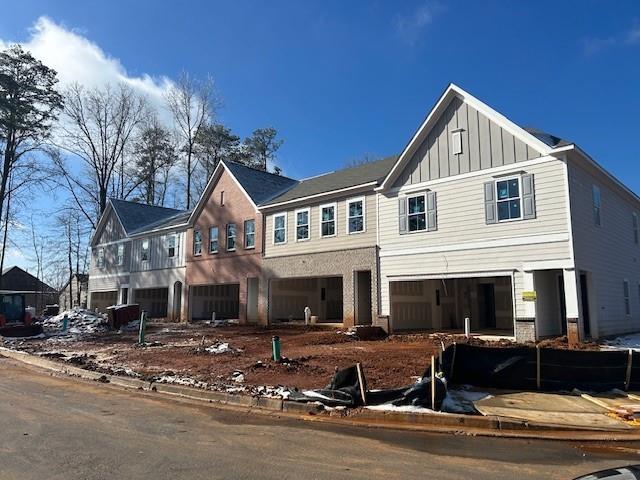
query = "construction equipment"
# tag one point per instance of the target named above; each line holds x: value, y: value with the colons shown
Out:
x: 15, y: 320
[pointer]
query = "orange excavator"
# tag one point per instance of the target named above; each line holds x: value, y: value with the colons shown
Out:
x: 15, y: 319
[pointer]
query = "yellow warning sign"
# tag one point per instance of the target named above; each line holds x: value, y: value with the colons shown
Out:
x: 529, y: 296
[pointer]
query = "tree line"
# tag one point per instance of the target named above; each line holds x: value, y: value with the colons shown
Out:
x: 87, y: 145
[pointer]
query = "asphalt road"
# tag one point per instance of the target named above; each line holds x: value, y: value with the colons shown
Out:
x: 59, y: 428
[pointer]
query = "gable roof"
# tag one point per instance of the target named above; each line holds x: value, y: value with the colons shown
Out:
x: 366, y: 174
x: 15, y: 279
x: 137, y: 217
x: 434, y: 114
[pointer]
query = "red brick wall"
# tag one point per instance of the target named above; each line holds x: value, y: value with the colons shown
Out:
x: 225, y: 267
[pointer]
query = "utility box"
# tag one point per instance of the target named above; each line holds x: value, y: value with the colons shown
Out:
x: 119, y: 315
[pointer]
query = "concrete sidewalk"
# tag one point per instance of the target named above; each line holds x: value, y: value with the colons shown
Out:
x: 491, y: 425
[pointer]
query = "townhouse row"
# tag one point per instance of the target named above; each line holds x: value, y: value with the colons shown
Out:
x: 516, y: 229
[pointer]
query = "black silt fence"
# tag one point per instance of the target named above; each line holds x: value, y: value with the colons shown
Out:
x: 527, y: 368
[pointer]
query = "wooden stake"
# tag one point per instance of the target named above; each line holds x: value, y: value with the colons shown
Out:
x: 433, y: 382
x: 538, y: 366
x: 363, y: 387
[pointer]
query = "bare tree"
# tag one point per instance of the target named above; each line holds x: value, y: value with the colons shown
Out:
x: 192, y: 104
x: 362, y: 160
x: 98, y: 128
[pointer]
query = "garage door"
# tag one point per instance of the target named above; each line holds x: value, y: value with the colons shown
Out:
x: 102, y: 300
x: 153, y: 300
x: 224, y: 300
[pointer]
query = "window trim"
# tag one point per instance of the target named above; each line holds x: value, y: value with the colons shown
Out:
x: 118, y: 262
x: 364, y: 214
x: 595, y: 188
x: 175, y: 245
x: 100, y: 258
x: 193, y: 251
x: 406, y: 199
x: 335, y: 219
x: 506, y: 179
x: 244, y: 233
x: 273, y: 230
x: 143, y: 250
x: 626, y: 294
x: 235, y: 237
x: 213, y: 252
x: 300, y: 210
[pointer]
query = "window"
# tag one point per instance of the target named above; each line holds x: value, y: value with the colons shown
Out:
x: 355, y: 215
x: 597, y: 218
x: 280, y: 228
x: 100, y: 260
x: 213, y: 240
x: 231, y: 237
x: 144, y: 251
x: 636, y: 229
x: 197, y: 242
x: 417, y: 213
x: 627, y: 303
x: 508, y: 199
x: 171, y: 246
x: 249, y: 234
x: 302, y: 225
x: 120, y: 256
x: 328, y: 220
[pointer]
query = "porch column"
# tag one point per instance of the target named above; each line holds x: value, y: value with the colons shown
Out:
x: 525, y: 328
x: 571, y: 296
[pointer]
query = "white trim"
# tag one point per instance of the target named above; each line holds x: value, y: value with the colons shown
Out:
x: 244, y: 234
x: 213, y: 252
x: 348, y: 202
x: 105, y: 275
x: 115, y: 242
x: 118, y: 263
x: 567, y: 199
x: 450, y: 92
x: 511, y: 169
x: 548, y: 265
x: 179, y: 228
x: 167, y: 238
x: 227, y: 236
x: 502, y: 242
x: 148, y: 250
x: 508, y: 199
x: 447, y: 275
x: 323, y: 194
x: 406, y: 199
x: 333, y: 205
x: 308, y: 224
x: 273, y: 230
x: 193, y: 243
x: 100, y: 264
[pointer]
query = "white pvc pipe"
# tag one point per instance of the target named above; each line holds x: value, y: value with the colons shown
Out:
x: 467, y: 327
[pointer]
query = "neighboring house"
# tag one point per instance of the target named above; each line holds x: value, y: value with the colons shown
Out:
x: 78, y: 286
x: 225, y: 235
x: 37, y: 293
x: 320, y: 249
x: 516, y: 229
x: 137, y: 256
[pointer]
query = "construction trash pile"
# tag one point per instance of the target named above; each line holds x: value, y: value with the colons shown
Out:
x: 80, y: 322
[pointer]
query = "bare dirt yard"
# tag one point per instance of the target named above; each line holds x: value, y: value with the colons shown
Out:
x: 219, y: 355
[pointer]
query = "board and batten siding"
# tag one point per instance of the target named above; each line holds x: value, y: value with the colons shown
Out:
x: 463, y: 243
x: 158, y: 252
x: 484, y: 145
x: 112, y: 230
x: 608, y: 252
x: 341, y: 241
x: 111, y: 266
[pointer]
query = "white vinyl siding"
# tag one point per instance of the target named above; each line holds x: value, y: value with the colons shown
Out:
x: 328, y: 220
x: 356, y: 215
x: 303, y: 227
x: 279, y: 228
x: 213, y: 239
x: 231, y: 237
x: 159, y: 250
x: 249, y: 234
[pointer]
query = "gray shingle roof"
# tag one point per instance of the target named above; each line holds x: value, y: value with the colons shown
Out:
x: 260, y: 186
x: 138, y: 217
x: 348, y: 177
x: 552, y: 140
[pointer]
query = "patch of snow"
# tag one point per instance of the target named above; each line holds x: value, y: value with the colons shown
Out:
x: 461, y: 400
x: 388, y: 407
x: 311, y: 393
x: 624, y: 342
x: 80, y: 322
x: 237, y: 377
x: 179, y: 380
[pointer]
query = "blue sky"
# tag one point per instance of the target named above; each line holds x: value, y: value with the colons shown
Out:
x: 341, y: 79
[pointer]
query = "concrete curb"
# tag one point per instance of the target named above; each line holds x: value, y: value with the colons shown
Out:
x: 439, y: 423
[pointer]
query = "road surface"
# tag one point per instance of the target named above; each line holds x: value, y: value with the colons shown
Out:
x: 60, y: 428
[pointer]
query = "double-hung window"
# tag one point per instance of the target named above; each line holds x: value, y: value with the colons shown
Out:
x: 120, y: 255
x: 231, y: 237
x: 100, y: 259
x: 280, y: 228
x: 197, y: 242
x: 302, y: 225
x: 417, y: 213
x: 328, y: 220
x: 144, y: 251
x: 597, y: 205
x: 171, y: 246
x: 213, y: 239
x: 509, y: 201
x: 355, y: 215
x: 249, y: 234
x: 627, y: 302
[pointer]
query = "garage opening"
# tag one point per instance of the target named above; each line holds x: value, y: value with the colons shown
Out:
x: 102, y: 300
x: 290, y: 296
x: 153, y: 300
x: 223, y: 299
x: 443, y: 304
x: 551, y: 310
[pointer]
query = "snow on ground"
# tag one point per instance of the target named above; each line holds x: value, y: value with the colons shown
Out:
x: 388, y: 407
x: 81, y: 322
x: 624, y: 342
x: 461, y: 400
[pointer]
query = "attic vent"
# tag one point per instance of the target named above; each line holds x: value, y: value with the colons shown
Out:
x: 456, y: 141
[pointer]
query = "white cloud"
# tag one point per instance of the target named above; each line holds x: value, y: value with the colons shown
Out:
x: 77, y: 59
x: 411, y: 26
x: 592, y: 46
